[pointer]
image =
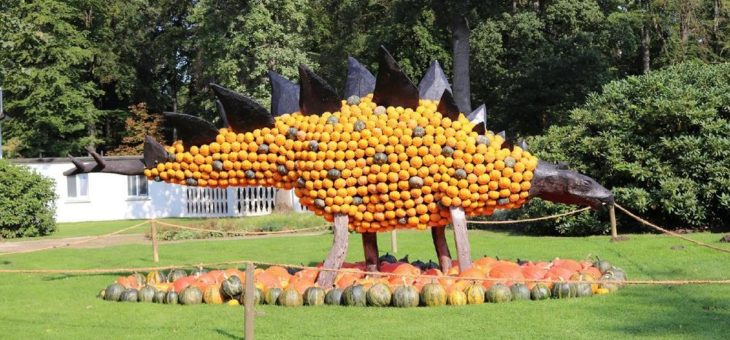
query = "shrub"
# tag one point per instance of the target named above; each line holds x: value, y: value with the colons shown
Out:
x: 27, y: 202
x: 660, y: 141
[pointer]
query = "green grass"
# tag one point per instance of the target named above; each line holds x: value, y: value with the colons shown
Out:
x: 274, y: 221
x: 64, y: 306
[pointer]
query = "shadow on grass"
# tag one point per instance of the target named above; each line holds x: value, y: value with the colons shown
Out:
x: 227, y: 334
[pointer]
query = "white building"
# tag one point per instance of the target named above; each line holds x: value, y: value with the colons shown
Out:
x: 102, y: 196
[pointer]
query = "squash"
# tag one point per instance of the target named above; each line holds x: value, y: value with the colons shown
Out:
x: 378, y: 295
x: 290, y: 297
x: 147, y: 294
x: 113, y: 292
x: 176, y: 274
x: 520, y: 292
x: 616, y: 274
x: 101, y: 293
x: 232, y: 287
x: 314, y: 296
x: 191, y: 296
x: 198, y: 271
x: 159, y: 297
x: 333, y: 297
x: 129, y: 295
x: 583, y: 289
x: 602, y: 265
x: 140, y: 279
x: 387, y: 258
x: 171, y: 298
x: 354, y: 295
x: 498, y: 293
x: 562, y: 290
x: 405, y: 296
x: 433, y: 294
x: 602, y: 291
x: 212, y: 295
x: 474, y: 294
x: 154, y: 277
x: 458, y: 298
x: 540, y: 292
x: 258, y: 297
x: 272, y: 295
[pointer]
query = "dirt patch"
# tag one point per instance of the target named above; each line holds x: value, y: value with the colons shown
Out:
x: 88, y: 242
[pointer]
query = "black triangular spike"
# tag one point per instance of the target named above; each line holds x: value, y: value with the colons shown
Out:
x: 433, y: 83
x: 190, y: 129
x: 447, y: 106
x: 315, y: 95
x: 284, y: 95
x: 393, y: 87
x: 97, y: 158
x: 522, y: 144
x: 478, y: 117
x: 360, y: 82
x: 222, y: 113
x: 153, y: 153
x: 242, y: 113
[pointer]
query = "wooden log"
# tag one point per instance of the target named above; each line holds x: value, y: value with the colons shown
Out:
x: 463, y: 249
x: 248, y: 302
x: 155, y: 250
x: 370, y: 246
x: 337, y: 253
x: 442, y: 248
x: 612, y: 217
x: 393, y: 242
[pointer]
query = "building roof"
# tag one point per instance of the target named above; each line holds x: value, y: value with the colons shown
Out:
x: 51, y: 160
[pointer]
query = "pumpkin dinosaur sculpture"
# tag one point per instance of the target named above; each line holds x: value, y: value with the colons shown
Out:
x: 391, y: 155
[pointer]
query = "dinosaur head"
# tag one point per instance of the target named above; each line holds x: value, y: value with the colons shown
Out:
x: 558, y: 184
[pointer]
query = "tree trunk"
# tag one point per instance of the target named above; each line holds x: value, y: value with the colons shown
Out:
x: 283, y: 201
x: 337, y: 253
x: 442, y: 248
x: 645, y: 53
x: 463, y: 249
x: 370, y: 246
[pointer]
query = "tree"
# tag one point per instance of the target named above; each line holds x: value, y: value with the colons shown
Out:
x: 139, y: 124
x: 42, y: 71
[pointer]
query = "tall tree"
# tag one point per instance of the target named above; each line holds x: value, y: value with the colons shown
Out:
x: 43, y: 70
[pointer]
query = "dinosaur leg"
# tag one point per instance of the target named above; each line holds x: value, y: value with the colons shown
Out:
x: 442, y: 248
x: 462, y: 239
x: 337, y: 254
x: 370, y: 245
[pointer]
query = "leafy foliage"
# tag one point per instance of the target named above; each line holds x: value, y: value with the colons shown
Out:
x: 661, y: 142
x: 140, y: 124
x: 27, y: 202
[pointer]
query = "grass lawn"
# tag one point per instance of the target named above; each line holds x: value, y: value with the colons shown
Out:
x: 273, y: 221
x: 62, y: 306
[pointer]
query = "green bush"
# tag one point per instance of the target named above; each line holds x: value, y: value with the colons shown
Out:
x: 660, y: 142
x: 27, y: 202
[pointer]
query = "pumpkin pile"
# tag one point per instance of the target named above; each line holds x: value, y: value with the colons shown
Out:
x: 384, y: 167
x: 411, y: 284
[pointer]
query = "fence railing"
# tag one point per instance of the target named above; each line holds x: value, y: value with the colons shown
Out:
x: 242, y: 201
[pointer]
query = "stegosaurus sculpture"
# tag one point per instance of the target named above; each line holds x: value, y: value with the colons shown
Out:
x: 389, y: 156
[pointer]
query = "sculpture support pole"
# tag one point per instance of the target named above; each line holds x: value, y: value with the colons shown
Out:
x: 337, y: 254
x: 463, y: 249
x: 442, y: 248
x: 393, y: 242
x: 248, y: 303
x: 155, y: 250
x: 370, y: 245
x: 612, y: 217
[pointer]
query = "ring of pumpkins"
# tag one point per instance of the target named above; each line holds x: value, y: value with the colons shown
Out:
x: 384, y: 167
x: 412, y: 284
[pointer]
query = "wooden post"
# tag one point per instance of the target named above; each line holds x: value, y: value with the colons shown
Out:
x: 612, y: 217
x: 248, y: 302
x: 370, y: 246
x: 393, y: 242
x: 442, y: 248
x: 337, y: 253
x: 463, y: 249
x: 155, y: 250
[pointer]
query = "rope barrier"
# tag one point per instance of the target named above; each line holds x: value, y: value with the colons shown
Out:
x: 76, y: 242
x: 669, y: 232
x: 527, y: 220
x: 352, y: 271
x: 244, y: 233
